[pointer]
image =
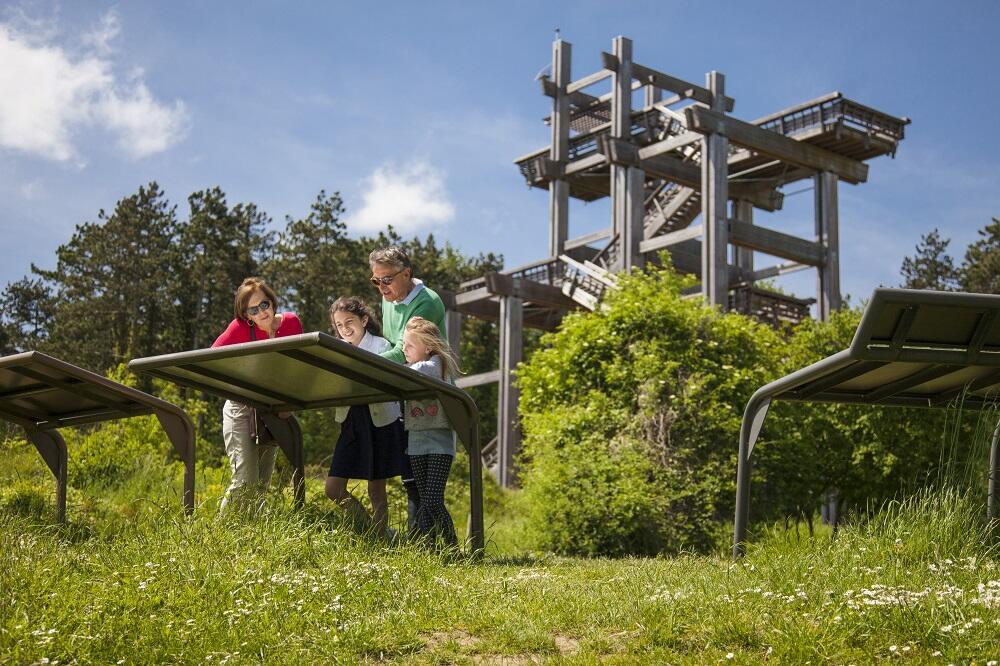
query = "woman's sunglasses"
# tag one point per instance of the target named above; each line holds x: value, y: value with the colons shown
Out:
x: 263, y: 306
x: 384, y: 281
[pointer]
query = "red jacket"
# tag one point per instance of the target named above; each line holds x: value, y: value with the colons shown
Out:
x: 239, y: 330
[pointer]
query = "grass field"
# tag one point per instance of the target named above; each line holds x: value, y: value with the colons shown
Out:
x: 131, y: 580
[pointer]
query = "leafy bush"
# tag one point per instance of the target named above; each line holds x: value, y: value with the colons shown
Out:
x: 632, y: 414
x: 631, y: 417
x: 866, y: 455
x: 108, y: 454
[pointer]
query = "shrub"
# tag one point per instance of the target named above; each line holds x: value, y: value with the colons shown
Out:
x: 111, y: 452
x: 631, y: 417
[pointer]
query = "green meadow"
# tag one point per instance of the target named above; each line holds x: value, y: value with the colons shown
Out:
x: 130, y: 579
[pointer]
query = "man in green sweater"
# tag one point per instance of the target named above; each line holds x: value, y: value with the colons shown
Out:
x: 403, y: 297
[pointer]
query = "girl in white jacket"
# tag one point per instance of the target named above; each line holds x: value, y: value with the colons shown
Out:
x: 372, y: 443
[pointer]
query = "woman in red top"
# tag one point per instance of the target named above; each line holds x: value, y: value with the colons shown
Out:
x: 255, y: 319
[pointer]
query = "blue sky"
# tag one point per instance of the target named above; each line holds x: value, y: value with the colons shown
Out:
x: 415, y: 111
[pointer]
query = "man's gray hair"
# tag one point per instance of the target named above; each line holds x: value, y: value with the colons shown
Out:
x: 390, y: 256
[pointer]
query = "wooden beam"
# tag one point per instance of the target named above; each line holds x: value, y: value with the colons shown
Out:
x: 743, y: 210
x: 669, y: 145
x: 587, y: 239
x: 577, y: 98
x: 776, y: 271
x: 673, y: 169
x: 559, y: 148
x: 618, y: 151
x: 648, y: 76
x: 828, y: 235
x: 511, y: 353
x: 714, y: 201
x: 761, y: 195
x: 775, y: 145
x: 672, y: 238
x: 491, y: 377
x: 686, y: 258
x: 585, y: 163
x: 775, y: 243
x: 499, y: 284
x: 675, y: 85
x: 587, y: 81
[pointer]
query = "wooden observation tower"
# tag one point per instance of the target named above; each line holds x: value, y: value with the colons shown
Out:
x: 683, y: 176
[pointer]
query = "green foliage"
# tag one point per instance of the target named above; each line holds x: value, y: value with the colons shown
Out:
x: 931, y: 267
x: 109, y: 454
x: 630, y: 417
x: 26, y: 308
x: 109, y: 283
x: 131, y: 575
x: 217, y: 247
x: 865, y: 455
x: 315, y: 262
x: 981, y: 268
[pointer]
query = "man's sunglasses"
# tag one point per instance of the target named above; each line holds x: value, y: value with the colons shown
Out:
x: 384, y: 281
x: 263, y: 306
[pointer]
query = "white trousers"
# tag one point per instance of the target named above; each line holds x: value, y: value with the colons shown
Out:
x: 252, y: 465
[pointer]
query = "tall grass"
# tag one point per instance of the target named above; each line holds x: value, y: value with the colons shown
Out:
x: 131, y: 579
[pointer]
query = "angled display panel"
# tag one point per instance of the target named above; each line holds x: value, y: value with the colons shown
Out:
x: 316, y: 370
x: 913, y: 348
x: 42, y: 394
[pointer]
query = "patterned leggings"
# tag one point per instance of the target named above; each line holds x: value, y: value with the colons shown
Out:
x: 431, y: 474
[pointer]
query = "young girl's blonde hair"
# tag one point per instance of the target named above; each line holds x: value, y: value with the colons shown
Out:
x: 430, y: 335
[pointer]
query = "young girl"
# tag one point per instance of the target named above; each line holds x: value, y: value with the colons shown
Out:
x: 431, y: 445
x: 372, y: 443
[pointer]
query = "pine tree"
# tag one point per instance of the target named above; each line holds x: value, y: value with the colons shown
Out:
x: 981, y: 268
x: 931, y: 267
x: 113, y: 284
x: 26, y: 312
x: 218, y: 248
x: 315, y: 262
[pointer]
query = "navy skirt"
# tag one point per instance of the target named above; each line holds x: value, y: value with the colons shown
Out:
x: 366, y: 452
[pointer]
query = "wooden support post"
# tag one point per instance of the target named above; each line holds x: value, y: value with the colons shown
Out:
x: 743, y: 256
x: 559, y: 150
x: 827, y: 235
x: 714, y: 197
x: 508, y: 424
x: 627, y: 200
x: 453, y: 324
x: 652, y: 95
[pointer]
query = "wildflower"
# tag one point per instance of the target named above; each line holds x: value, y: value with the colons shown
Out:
x: 730, y: 655
x: 936, y: 653
x: 893, y: 648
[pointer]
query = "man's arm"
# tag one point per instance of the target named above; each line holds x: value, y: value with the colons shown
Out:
x: 426, y: 308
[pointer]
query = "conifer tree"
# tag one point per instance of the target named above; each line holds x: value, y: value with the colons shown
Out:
x: 931, y: 267
x: 981, y: 268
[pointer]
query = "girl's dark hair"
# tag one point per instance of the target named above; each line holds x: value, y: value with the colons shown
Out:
x: 358, y: 308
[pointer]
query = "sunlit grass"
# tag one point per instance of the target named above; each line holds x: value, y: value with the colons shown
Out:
x: 130, y: 579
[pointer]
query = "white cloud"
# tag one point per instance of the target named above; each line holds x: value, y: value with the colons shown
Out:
x: 48, y: 95
x: 100, y: 38
x: 411, y: 199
